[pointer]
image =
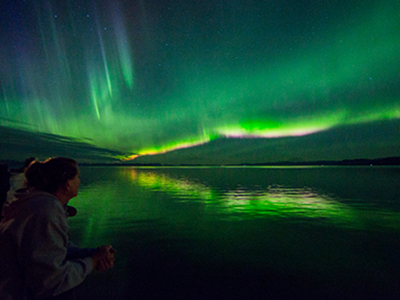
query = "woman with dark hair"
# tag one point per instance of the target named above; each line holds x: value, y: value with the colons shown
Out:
x: 18, y: 181
x: 36, y: 258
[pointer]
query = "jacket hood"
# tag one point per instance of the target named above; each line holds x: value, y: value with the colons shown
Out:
x: 21, y: 196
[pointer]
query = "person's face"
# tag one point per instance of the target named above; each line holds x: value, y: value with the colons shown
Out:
x: 73, y: 185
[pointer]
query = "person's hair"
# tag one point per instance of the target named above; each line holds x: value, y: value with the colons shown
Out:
x: 51, y: 174
x: 28, y: 161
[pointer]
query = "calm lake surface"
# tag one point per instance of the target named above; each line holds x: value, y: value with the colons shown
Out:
x: 242, y: 233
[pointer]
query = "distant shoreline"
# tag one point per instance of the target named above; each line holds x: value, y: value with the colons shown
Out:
x: 388, y: 161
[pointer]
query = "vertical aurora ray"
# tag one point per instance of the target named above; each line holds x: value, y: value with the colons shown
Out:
x: 6, y: 103
x: 95, y: 100
x: 151, y: 84
x: 103, y: 55
x: 124, y: 50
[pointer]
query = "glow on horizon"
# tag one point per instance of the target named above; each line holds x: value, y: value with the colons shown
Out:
x: 260, y: 129
x: 275, y: 129
x: 175, y: 146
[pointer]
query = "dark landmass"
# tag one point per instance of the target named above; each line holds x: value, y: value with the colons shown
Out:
x: 388, y: 161
x: 16, y: 145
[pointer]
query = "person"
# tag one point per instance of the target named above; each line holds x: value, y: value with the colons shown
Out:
x: 4, y: 183
x: 18, y: 181
x: 37, y: 260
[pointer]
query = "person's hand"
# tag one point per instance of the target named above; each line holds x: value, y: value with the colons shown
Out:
x: 104, y: 258
x: 108, y: 262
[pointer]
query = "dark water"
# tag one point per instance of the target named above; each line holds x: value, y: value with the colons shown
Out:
x: 242, y: 233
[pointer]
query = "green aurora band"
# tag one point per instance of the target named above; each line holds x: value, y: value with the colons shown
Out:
x: 75, y: 77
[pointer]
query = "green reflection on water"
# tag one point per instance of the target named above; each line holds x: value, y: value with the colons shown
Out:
x: 130, y: 196
x: 272, y: 201
x: 177, y: 187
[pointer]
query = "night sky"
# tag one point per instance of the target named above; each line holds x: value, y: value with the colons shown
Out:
x: 230, y: 80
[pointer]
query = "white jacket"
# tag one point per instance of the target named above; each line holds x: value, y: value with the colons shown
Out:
x: 33, y: 249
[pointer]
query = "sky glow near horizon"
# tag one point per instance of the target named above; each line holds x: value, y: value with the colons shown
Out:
x: 146, y: 77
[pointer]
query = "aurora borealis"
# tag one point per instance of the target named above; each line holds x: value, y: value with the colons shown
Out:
x: 147, y: 77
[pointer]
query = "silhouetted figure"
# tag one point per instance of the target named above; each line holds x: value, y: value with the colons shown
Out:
x: 17, y: 180
x: 36, y: 257
x: 4, y: 183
